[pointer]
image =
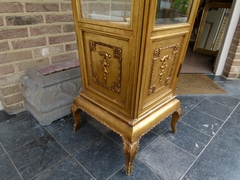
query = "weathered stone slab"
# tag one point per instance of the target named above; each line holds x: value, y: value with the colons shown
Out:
x: 50, y: 90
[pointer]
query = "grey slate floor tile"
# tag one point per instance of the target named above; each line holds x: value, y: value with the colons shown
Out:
x: 73, y: 141
x: 66, y: 169
x: 163, y: 126
x: 206, y: 145
x: 166, y: 159
x: 36, y: 156
x: 220, y: 160
x: 214, y: 109
x: 187, y: 138
x: 1, y: 149
x: 141, y: 171
x: 5, y: 116
x: 103, y: 158
x: 7, y: 169
x: 16, y: 132
x: 203, y: 122
x: 188, y: 102
x: 232, y: 87
x: 225, y: 100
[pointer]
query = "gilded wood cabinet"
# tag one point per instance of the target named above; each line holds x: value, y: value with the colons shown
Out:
x: 130, y: 55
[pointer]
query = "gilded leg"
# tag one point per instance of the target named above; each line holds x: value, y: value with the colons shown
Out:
x: 175, y: 117
x: 76, y: 112
x: 130, y: 151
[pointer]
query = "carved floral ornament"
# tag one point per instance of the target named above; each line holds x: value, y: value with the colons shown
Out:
x: 105, y: 66
x: 164, y: 63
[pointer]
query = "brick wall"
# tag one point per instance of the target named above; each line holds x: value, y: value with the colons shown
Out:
x: 232, y: 66
x: 32, y: 33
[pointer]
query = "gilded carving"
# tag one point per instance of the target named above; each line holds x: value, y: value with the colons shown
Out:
x: 163, y: 61
x: 104, y: 62
x: 130, y: 151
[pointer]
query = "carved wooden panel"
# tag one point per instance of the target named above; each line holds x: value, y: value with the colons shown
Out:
x: 105, y: 76
x: 163, y: 62
x: 103, y: 72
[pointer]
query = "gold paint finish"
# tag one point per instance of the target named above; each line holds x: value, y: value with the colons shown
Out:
x: 130, y: 66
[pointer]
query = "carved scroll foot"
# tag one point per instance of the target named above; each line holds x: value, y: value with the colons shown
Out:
x: 130, y: 151
x: 76, y: 112
x: 175, y: 117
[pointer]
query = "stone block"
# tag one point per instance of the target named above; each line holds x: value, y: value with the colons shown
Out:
x: 50, y: 90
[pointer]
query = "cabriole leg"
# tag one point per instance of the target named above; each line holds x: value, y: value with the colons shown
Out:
x: 130, y: 151
x: 76, y: 112
x: 175, y: 117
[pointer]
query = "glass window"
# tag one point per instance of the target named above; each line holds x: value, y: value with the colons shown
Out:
x: 172, y: 11
x: 107, y: 10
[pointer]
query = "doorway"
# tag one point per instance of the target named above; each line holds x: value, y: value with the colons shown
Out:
x: 201, y: 59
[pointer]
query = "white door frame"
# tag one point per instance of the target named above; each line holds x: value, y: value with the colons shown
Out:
x: 229, y: 33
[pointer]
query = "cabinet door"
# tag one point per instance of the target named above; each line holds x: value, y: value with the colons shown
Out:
x: 167, y: 38
x: 107, y: 41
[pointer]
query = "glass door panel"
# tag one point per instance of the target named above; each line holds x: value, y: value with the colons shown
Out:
x: 107, y: 10
x: 172, y: 11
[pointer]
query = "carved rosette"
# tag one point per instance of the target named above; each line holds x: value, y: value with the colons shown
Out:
x: 104, y: 61
x: 161, y: 61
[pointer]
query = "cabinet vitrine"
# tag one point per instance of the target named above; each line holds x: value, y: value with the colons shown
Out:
x: 130, y: 55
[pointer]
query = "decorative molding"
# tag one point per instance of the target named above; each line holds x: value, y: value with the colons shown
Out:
x: 117, y: 54
x: 159, y: 55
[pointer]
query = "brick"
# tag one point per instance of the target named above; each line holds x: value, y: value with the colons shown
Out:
x: 234, y: 69
x: 232, y: 75
x: 1, y: 21
x: 66, y: 6
x: 12, y: 99
x: 11, y: 7
x: 68, y: 28
x: 41, y: 30
x: 42, y: 7
x: 6, y: 69
x: 99, y: 8
x: 52, y: 18
x: 47, y: 51
x: 15, y: 56
x: 24, y: 65
x: 13, y: 33
x: 7, y: 80
x: 27, y: 43
x: 236, y: 63
x: 14, y: 108
x: 12, y: 89
x: 71, y: 47
x: 24, y: 20
x: 62, y: 39
x: 64, y: 57
x: 4, y: 46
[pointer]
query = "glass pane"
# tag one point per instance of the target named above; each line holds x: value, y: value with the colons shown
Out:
x: 172, y: 11
x: 107, y: 10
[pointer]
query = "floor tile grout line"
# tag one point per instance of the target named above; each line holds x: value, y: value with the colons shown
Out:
x: 179, y: 147
x: 192, y: 108
x: 12, y: 162
x: 83, y: 167
x: 209, y: 142
x: 211, y: 115
x: 45, y: 134
x: 71, y: 154
x: 49, y: 167
x: 196, y: 129
x: 219, y: 103
x: 155, y: 172
x: 115, y: 173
